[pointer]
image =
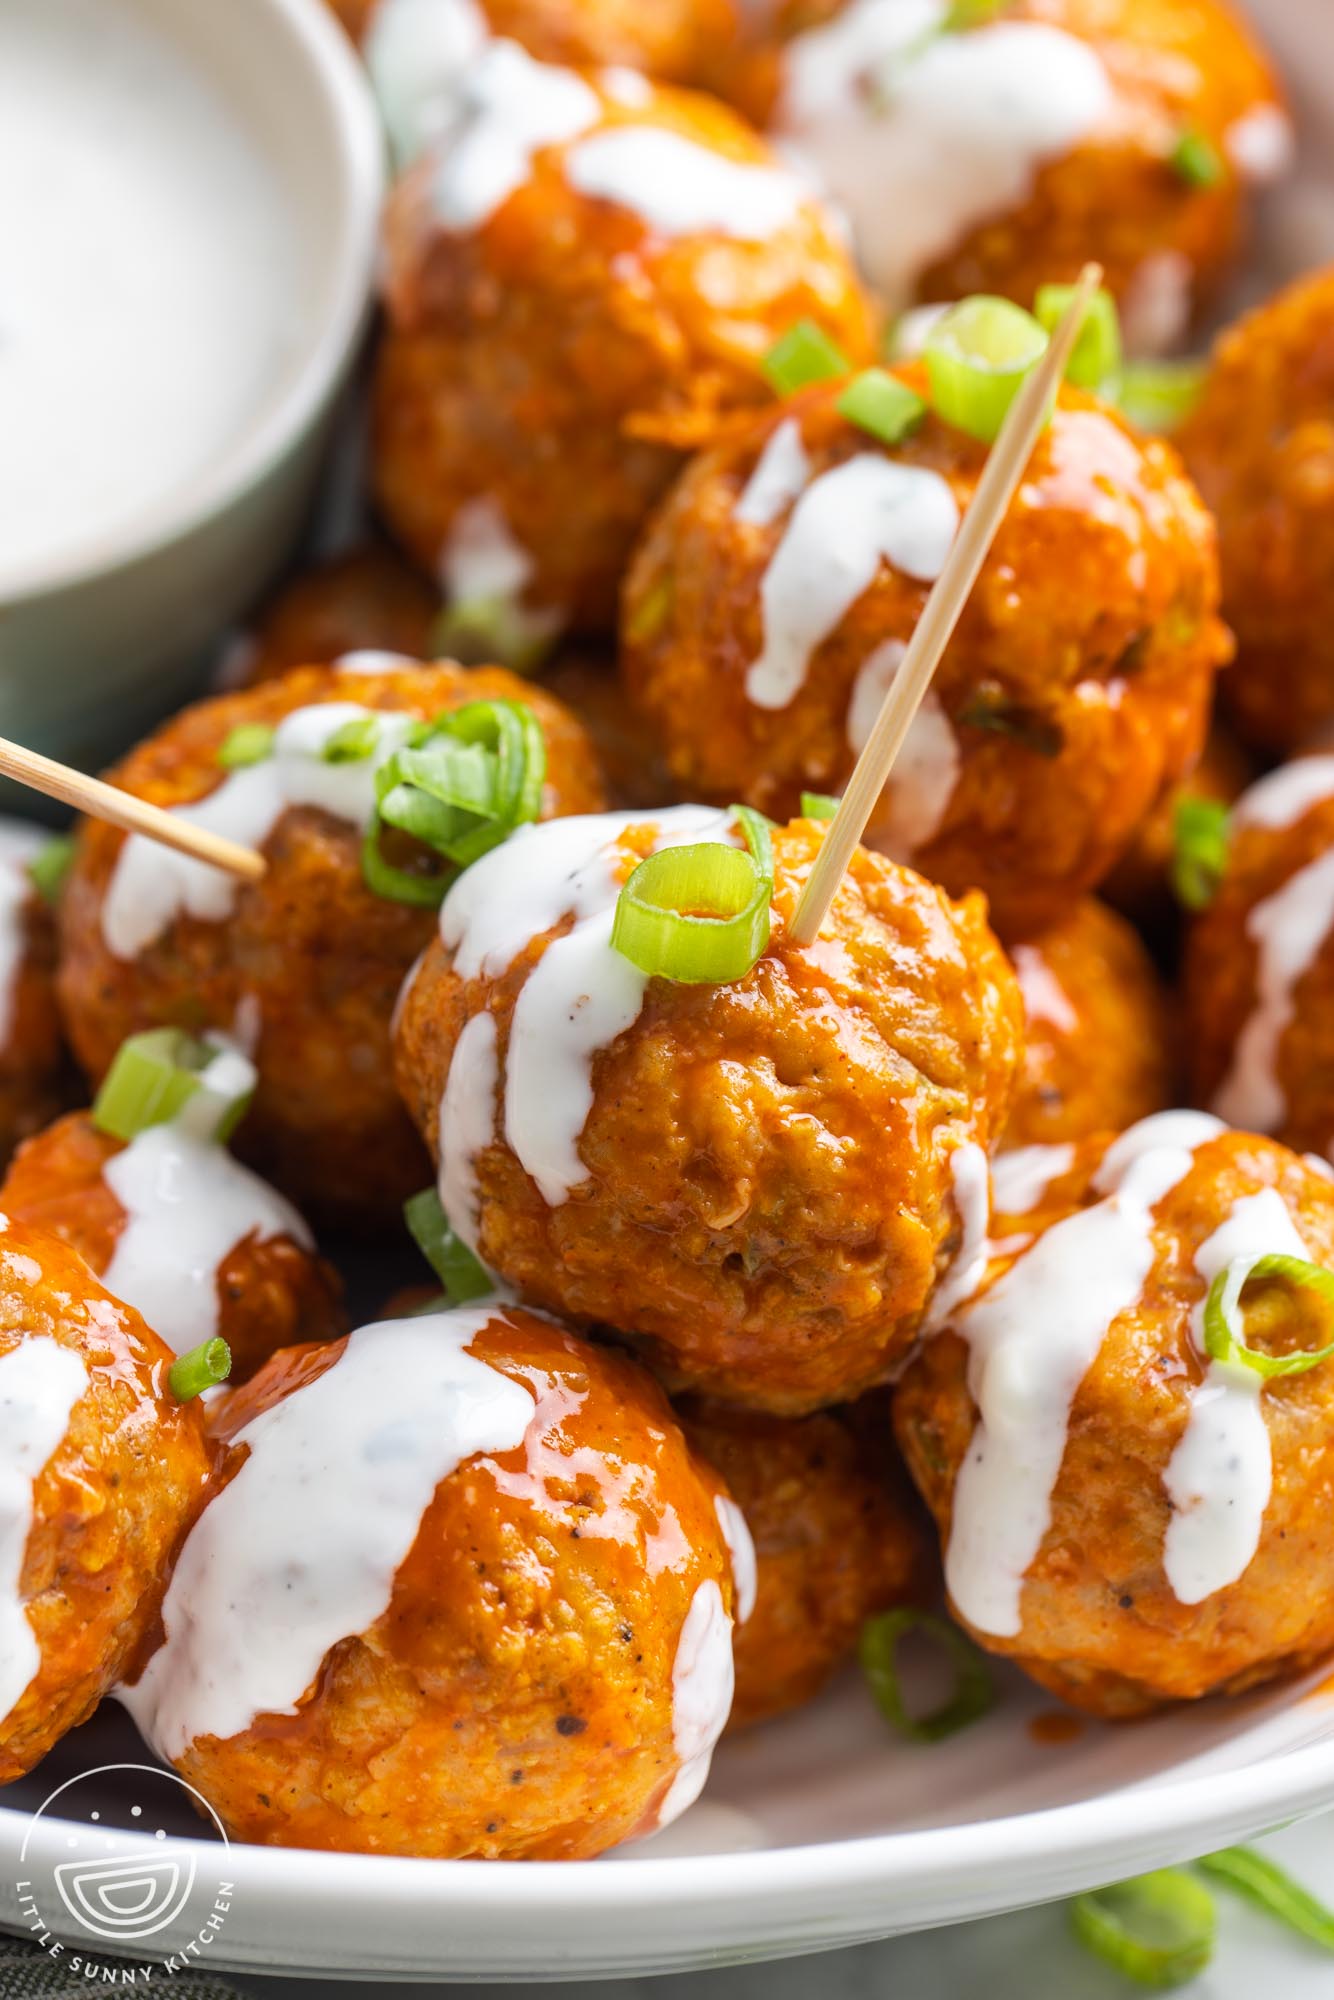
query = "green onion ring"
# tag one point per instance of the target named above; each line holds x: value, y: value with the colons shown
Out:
x: 202, y: 1368
x: 51, y: 864
x: 818, y: 805
x: 1096, y: 360
x: 1223, y: 1336
x: 1199, y: 850
x: 878, y: 403
x: 487, y: 631
x: 352, y: 742
x: 463, y: 1276
x: 1271, y: 1889
x: 1158, y: 396
x: 1197, y: 160
x: 1157, y: 1929
x: 978, y: 356
x: 152, y: 1079
x: 698, y: 915
x: 758, y: 829
x: 248, y: 743
x: 802, y: 355
x: 877, y: 1651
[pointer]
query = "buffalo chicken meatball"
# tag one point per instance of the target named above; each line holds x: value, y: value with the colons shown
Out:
x: 773, y: 595
x: 760, y: 1180
x: 1133, y: 1518
x: 103, y: 1472
x: 1260, y: 442
x: 582, y: 283
x: 1099, y: 1049
x: 33, y: 1082
x: 996, y: 149
x: 175, y: 1227
x: 304, y: 966
x: 460, y: 1589
x: 1259, y: 977
x: 367, y: 601
x: 837, y: 1538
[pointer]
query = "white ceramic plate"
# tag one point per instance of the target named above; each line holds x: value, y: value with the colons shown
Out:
x: 820, y: 1830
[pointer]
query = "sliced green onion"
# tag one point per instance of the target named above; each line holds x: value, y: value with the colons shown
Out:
x: 879, y: 403
x: 51, y: 864
x: 492, y: 631
x: 1097, y: 355
x: 1272, y: 1890
x: 965, y: 14
x: 353, y: 742
x: 694, y: 914
x: 1196, y: 159
x: 646, y: 619
x: 802, y: 355
x: 978, y: 356
x: 877, y: 1650
x: 463, y: 1276
x: 1157, y: 1929
x: 1223, y: 1335
x: 248, y: 743
x: 458, y: 787
x: 1199, y: 849
x: 818, y: 805
x: 202, y: 1368
x: 757, y: 829
x: 990, y: 708
x: 1158, y: 396
x: 162, y: 1074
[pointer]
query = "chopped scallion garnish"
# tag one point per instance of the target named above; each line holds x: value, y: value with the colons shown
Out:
x: 463, y: 1276
x: 978, y: 356
x: 202, y: 1368
x: 818, y: 805
x: 965, y: 14
x: 51, y: 864
x: 878, y: 1652
x: 877, y: 402
x: 353, y: 741
x: 248, y: 743
x: 988, y: 707
x: 165, y: 1074
x: 459, y: 786
x: 1199, y: 849
x: 699, y: 914
x: 1224, y: 1336
x: 802, y: 355
x: 1197, y: 160
x: 1271, y: 1889
x: 1158, y: 396
x: 1157, y: 1929
x: 1096, y: 360
x: 492, y: 631
x: 757, y: 829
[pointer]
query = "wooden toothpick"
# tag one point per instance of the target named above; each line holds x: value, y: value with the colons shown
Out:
x: 995, y: 489
x: 103, y: 801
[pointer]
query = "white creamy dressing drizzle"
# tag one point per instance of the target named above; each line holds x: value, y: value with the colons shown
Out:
x: 1287, y: 794
x: 481, y: 563
x: 467, y: 1122
x: 741, y: 1549
x: 1045, y: 999
x: 40, y: 1382
x: 187, y: 1205
x: 922, y: 134
x: 301, y: 1548
x: 847, y: 522
x: 680, y: 188
x: 1289, y: 930
x: 1220, y: 1475
x: 373, y: 661
x: 703, y: 1680
x: 1261, y: 145
x: 916, y: 797
x: 418, y: 54
x: 508, y: 109
x: 1021, y: 1178
x: 1032, y: 1338
x: 151, y: 300
x: 577, y: 999
x: 151, y: 885
x: 782, y: 472
x: 971, y: 1180
x: 19, y: 844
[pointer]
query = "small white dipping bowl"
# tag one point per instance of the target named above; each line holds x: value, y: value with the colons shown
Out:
x: 107, y: 607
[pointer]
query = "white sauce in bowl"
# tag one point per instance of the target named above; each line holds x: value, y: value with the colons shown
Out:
x: 301, y: 1549
x: 40, y: 1382
x: 19, y: 844
x: 149, y: 286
